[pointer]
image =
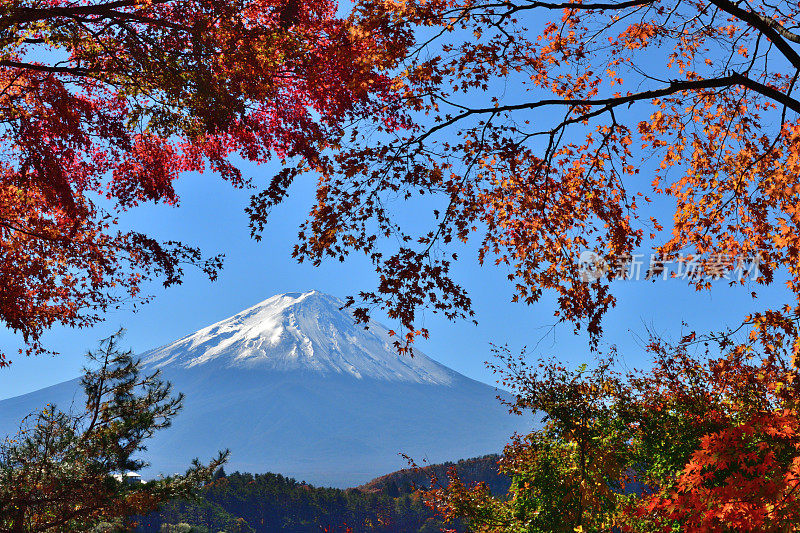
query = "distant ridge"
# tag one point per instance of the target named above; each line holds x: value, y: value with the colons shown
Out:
x: 470, y: 471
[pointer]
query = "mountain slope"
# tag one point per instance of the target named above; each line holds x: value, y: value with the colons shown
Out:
x: 292, y: 385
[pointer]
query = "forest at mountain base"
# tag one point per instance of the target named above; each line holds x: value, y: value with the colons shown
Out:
x: 248, y: 503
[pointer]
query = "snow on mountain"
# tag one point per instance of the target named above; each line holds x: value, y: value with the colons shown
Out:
x: 300, y: 331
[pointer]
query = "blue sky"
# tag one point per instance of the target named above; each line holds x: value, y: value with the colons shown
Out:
x: 212, y: 216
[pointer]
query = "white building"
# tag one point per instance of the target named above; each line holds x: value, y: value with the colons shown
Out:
x: 129, y: 478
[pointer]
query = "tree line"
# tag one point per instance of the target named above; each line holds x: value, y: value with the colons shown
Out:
x: 271, y: 502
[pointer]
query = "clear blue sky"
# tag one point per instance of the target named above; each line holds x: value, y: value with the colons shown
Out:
x: 212, y: 216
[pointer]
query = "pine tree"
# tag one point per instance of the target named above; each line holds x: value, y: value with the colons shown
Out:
x: 57, y: 473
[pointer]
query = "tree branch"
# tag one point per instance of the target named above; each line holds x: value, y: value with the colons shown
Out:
x: 580, y: 5
x: 32, y: 14
x: 77, y: 71
x: 767, y: 26
x: 675, y: 86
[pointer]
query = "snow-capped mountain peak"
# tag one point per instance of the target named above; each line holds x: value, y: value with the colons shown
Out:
x: 300, y: 331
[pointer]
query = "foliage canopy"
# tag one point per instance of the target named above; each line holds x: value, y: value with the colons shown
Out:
x: 103, y: 104
x: 545, y: 129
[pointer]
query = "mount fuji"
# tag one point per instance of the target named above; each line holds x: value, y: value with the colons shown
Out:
x: 293, y: 385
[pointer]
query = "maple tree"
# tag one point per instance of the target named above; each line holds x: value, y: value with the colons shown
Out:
x: 733, y: 458
x: 105, y: 103
x: 699, y: 442
x: 540, y: 130
x: 57, y: 473
x: 566, y: 475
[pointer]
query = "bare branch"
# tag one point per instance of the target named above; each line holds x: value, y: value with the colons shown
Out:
x: 675, y: 86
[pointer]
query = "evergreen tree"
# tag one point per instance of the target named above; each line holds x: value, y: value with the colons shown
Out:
x: 219, y: 474
x: 391, y: 489
x: 57, y: 473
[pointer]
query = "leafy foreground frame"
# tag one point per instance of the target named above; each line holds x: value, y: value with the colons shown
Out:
x: 697, y: 443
